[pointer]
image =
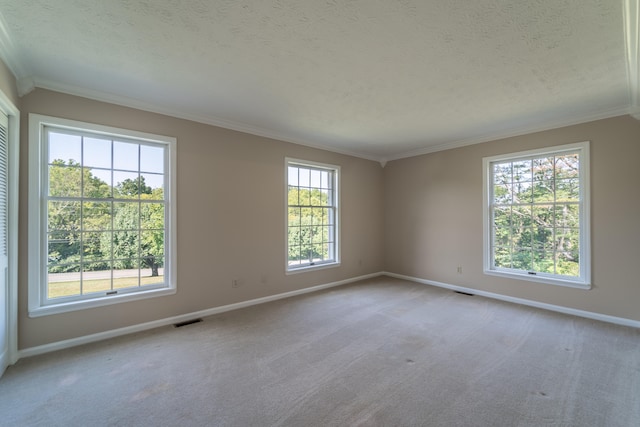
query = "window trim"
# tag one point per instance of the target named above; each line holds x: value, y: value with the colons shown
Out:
x: 37, y: 221
x: 336, y: 193
x: 584, y: 279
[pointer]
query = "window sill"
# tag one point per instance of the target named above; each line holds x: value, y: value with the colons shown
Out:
x: 98, y: 302
x: 540, y: 279
x: 308, y: 268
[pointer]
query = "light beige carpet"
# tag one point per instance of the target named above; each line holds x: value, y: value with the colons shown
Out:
x: 383, y: 352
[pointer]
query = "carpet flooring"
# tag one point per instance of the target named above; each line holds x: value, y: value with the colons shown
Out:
x: 382, y: 352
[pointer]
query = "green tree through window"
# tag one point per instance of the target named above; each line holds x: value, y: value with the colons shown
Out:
x: 311, y: 215
x: 536, y: 212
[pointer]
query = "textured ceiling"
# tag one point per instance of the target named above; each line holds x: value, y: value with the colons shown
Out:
x: 381, y: 79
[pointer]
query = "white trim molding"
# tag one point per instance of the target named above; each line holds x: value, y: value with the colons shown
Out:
x: 631, y: 12
x: 530, y: 303
x: 13, y: 114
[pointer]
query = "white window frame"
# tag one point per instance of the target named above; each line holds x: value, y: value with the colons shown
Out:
x: 37, y: 221
x: 311, y: 266
x: 583, y: 281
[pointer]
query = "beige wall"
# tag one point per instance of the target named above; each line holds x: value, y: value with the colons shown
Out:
x: 420, y: 217
x: 433, y: 217
x: 8, y: 84
x: 230, y: 219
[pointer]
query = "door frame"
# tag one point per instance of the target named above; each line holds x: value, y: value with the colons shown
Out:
x: 13, y: 140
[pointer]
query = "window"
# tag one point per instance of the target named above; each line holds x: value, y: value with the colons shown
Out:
x: 312, y: 215
x: 536, y: 214
x: 101, y: 217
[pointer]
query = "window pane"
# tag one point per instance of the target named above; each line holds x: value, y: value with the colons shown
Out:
x: 64, y: 181
x: 543, y: 215
x: 152, y: 249
x: 317, y: 216
x: 293, y: 196
x: 503, y: 193
x: 96, y: 216
x: 501, y: 236
x: 502, y: 173
x: 64, y: 148
x: 125, y: 248
x: 96, y: 153
x: 62, y: 248
x: 126, y: 216
x: 126, y: 276
x: 152, y: 216
x: 151, y: 159
x: 96, y: 277
x: 522, y: 260
x: 522, y: 192
x: 502, y: 257
x: 522, y: 171
x: 567, y: 265
x: 324, y: 179
x: 63, y: 215
x: 543, y: 169
x: 125, y: 156
x: 152, y: 186
x: 64, y: 284
x: 521, y: 217
x: 96, y: 245
x: 97, y: 183
x: 292, y: 173
x: 543, y: 191
x: 568, y: 190
x: 543, y: 262
x: 304, y: 176
x: 502, y: 216
x: 127, y: 185
x: 152, y: 269
x: 567, y: 216
x: 306, y: 197
x: 543, y: 239
x: 567, y: 166
x: 315, y: 178
x: 294, y: 217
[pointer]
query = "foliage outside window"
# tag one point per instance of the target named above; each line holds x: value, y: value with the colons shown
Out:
x: 536, y: 215
x: 104, y: 218
x: 312, y: 216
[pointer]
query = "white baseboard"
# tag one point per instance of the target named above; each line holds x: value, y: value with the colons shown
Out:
x: 558, y: 308
x: 59, y: 345
x: 33, y: 351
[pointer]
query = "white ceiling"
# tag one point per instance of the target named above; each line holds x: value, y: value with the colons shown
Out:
x: 381, y: 79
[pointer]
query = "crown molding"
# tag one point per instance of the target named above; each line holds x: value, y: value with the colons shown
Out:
x: 631, y: 13
x: 615, y: 112
x: 205, y: 119
x: 30, y: 83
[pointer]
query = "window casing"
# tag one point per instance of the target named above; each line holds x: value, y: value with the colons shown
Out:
x: 101, y: 215
x: 312, y: 221
x: 536, y: 215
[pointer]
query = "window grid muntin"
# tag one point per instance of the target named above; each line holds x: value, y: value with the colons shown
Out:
x: 139, y: 230
x: 576, y: 153
x: 330, y: 206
